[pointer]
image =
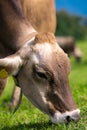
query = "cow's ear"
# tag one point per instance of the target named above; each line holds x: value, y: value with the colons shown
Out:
x: 10, y: 65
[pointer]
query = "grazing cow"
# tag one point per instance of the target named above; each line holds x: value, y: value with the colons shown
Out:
x: 69, y: 47
x: 35, y: 60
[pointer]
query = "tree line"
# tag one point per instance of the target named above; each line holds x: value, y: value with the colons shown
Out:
x: 71, y: 25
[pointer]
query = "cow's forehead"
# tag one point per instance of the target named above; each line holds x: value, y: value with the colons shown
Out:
x: 51, y: 56
x: 45, y: 48
x: 43, y: 53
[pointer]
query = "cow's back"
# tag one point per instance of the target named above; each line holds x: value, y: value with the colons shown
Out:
x: 41, y: 14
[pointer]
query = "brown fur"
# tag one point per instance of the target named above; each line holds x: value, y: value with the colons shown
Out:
x: 45, y: 37
x: 41, y: 13
x: 26, y: 13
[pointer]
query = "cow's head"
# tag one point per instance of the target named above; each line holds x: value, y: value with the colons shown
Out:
x: 42, y: 69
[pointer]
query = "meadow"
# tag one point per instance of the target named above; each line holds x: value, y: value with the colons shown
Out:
x: 29, y: 117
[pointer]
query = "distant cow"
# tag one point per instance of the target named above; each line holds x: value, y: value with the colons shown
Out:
x: 68, y: 44
x: 39, y: 66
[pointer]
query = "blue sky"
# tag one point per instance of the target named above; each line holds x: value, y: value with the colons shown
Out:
x: 78, y: 7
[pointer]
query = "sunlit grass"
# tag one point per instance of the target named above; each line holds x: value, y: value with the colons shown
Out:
x: 30, y: 118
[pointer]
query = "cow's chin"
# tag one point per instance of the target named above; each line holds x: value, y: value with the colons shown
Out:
x: 66, y: 117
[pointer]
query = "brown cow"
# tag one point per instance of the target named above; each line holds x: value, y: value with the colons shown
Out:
x: 68, y: 44
x: 39, y: 65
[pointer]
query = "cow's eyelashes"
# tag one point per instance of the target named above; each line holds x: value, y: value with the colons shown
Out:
x: 41, y: 75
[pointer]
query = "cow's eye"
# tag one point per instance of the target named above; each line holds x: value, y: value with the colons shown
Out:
x: 41, y: 75
x: 40, y: 72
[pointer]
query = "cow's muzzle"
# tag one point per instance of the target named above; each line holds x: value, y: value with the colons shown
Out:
x: 66, y: 117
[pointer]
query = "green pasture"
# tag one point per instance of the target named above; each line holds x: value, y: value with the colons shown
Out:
x: 30, y: 118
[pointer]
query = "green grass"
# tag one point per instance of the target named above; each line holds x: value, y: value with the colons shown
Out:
x: 30, y: 118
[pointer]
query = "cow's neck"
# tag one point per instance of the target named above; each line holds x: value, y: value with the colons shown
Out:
x: 14, y: 27
x: 14, y: 40
x: 25, y: 34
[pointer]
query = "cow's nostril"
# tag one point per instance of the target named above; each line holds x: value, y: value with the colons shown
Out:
x: 68, y: 118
